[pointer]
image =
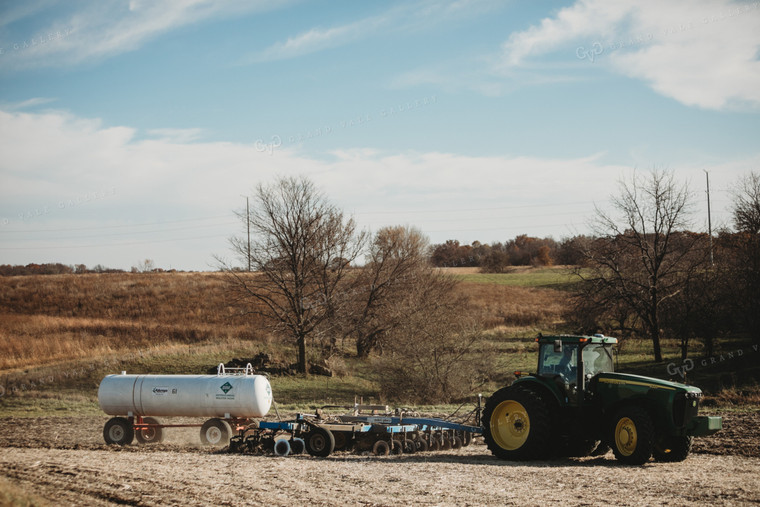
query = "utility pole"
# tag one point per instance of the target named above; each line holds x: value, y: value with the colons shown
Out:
x: 248, y: 226
x: 709, y: 218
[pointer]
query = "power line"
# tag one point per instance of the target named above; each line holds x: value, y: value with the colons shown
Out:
x: 56, y: 247
x: 147, y: 224
x: 455, y: 210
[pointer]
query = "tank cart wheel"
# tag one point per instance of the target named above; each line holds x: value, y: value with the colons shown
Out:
x: 381, y: 448
x: 456, y: 442
x: 118, y: 430
x: 281, y: 447
x: 409, y: 446
x: 672, y: 449
x: 215, y: 432
x: 422, y: 445
x: 516, y: 424
x: 152, y: 435
x: 397, y: 447
x: 632, y: 435
x: 297, y: 446
x: 320, y: 442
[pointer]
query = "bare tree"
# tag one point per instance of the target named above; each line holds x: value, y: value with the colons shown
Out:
x: 641, y: 257
x: 439, y: 355
x: 381, y: 298
x: 746, y: 250
x: 746, y: 210
x: 301, y: 253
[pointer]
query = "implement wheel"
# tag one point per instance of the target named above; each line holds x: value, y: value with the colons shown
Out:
x: 422, y: 445
x: 381, y: 448
x: 216, y: 432
x: 672, y: 449
x: 281, y: 447
x: 516, y: 424
x: 409, y: 446
x: 151, y: 435
x: 632, y: 435
x: 118, y: 430
x: 297, y: 446
x: 319, y: 442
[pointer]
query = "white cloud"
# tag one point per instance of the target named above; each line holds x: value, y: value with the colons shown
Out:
x: 99, y: 30
x: 177, y: 135
x: 701, y: 53
x: 317, y: 39
x: 27, y: 104
x: 94, y: 181
x: 408, y: 16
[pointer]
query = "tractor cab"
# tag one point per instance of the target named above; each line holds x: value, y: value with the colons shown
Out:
x: 570, y: 362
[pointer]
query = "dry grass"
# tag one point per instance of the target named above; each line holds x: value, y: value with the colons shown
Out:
x: 46, y: 319
x: 506, y: 307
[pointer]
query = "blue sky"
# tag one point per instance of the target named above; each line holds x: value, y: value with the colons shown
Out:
x: 133, y: 129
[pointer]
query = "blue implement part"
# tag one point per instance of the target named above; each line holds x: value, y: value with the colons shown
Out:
x: 422, y: 423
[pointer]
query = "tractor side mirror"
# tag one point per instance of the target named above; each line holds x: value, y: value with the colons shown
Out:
x: 557, y: 345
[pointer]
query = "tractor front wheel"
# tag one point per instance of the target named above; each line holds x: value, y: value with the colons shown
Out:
x: 672, y: 449
x: 632, y: 435
x: 516, y: 424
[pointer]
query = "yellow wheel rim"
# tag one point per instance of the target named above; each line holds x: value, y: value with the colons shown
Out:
x: 510, y: 425
x: 626, y: 436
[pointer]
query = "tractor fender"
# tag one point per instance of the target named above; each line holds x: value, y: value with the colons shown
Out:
x: 547, y: 392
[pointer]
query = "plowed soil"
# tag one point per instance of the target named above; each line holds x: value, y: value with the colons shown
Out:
x: 65, y: 461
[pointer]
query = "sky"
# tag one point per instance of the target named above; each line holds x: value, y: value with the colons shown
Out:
x: 133, y: 130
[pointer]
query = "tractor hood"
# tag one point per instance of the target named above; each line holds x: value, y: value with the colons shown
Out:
x: 641, y: 382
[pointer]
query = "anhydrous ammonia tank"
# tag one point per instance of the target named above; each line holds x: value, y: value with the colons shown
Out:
x: 236, y: 396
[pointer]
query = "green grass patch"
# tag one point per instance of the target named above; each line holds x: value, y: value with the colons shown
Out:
x: 557, y: 278
x: 49, y: 403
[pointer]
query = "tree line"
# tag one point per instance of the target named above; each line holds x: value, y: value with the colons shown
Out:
x: 497, y: 257
x: 320, y: 281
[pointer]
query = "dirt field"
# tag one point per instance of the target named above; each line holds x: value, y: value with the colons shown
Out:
x: 64, y: 460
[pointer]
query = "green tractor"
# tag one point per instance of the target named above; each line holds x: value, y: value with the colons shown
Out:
x: 575, y: 405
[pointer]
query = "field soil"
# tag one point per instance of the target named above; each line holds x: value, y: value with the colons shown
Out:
x: 64, y: 460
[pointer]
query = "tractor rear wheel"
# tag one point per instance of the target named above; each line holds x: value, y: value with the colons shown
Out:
x: 516, y: 424
x: 632, y: 435
x: 672, y: 449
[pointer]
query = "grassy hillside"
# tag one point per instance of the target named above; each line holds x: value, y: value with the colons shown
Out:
x: 60, y: 334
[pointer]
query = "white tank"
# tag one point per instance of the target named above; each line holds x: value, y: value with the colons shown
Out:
x: 185, y: 395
